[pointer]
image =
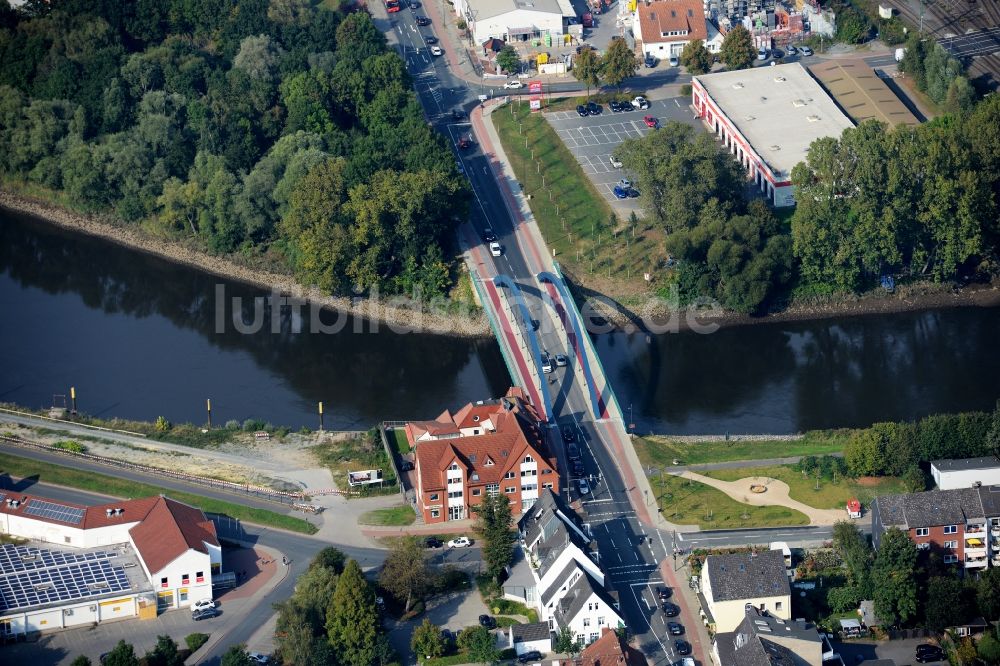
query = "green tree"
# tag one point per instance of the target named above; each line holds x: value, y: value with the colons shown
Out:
x: 494, y: 525
x: 508, y: 60
x: 988, y: 649
x: 123, y: 654
x: 893, y: 578
x: 195, y: 641
x: 330, y: 558
x: 567, y: 643
x: 478, y: 642
x: 853, y: 27
x: 696, y: 57
x: 352, y: 622
x: 164, y: 653
x: 965, y: 651
x: 738, y: 51
x: 988, y: 593
x: 852, y: 547
x: 961, y: 96
x: 619, y: 63
x: 587, y: 69
x: 427, y: 641
x: 405, y: 574
x: 236, y: 655
x: 80, y: 660
x: 945, y: 606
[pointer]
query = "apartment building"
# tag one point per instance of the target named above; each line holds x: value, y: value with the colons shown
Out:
x: 963, y: 525
x: 484, y: 449
x: 761, y: 639
x: 734, y: 581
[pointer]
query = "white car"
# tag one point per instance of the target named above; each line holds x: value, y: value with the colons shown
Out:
x: 584, y: 487
x: 495, y: 249
x: 460, y: 542
x: 640, y: 102
x: 615, y: 162
x: 202, y: 604
x: 436, y: 51
x: 513, y: 85
x: 625, y: 183
x: 762, y: 54
x: 673, y: 61
x: 258, y: 658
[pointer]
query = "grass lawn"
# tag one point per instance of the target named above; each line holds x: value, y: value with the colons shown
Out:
x: 692, y: 503
x: 657, y: 451
x: 575, y: 220
x: 397, y: 438
x: 354, y: 454
x: 110, y: 485
x: 396, y: 516
x: 829, y: 496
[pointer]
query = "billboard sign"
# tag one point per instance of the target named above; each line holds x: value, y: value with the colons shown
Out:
x: 535, y: 87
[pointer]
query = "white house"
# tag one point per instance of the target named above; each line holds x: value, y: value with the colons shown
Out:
x: 714, y: 38
x: 731, y: 582
x: 966, y: 473
x: 528, y: 637
x: 666, y: 26
x: 516, y: 20
x: 587, y: 608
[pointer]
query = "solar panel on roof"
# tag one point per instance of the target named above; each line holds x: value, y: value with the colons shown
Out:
x: 53, y: 511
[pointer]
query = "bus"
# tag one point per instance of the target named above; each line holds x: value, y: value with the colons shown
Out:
x: 391, y: 6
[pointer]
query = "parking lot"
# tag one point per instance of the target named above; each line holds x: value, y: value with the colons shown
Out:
x: 593, y: 139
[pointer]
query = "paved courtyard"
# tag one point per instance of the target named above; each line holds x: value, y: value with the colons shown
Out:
x: 593, y: 139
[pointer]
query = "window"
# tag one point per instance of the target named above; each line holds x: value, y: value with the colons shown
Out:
x: 529, y: 487
x: 593, y: 637
x: 529, y: 459
x: 950, y: 529
x: 185, y: 580
x: 68, y: 539
x: 472, y: 457
x: 546, y: 471
x: 600, y: 622
x: 586, y: 621
x: 777, y: 605
x: 510, y: 490
x: 435, y: 513
x: 951, y: 545
x: 489, y: 462
x: 183, y: 596
x: 509, y: 475
x: 454, y: 467
x: 163, y: 582
x: 455, y: 493
x: 529, y: 472
x: 922, y: 531
x: 950, y: 559
x: 924, y: 546
x: 476, y: 492
x: 434, y: 497
x: 492, y: 489
x: 199, y: 576
x: 547, y: 485
x: 475, y: 431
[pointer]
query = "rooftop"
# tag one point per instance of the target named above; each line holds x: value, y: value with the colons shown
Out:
x: 861, y: 93
x: 535, y: 631
x: 962, y: 464
x: 609, y: 650
x: 657, y: 20
x: 780, y: 110
x: 747, y: 575
x: 480, y: 10
x: 758, y: 640
x: 929, y: 509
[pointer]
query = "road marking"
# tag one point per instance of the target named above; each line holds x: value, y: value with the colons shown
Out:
x: 666, y: 653
x: 677, y: 103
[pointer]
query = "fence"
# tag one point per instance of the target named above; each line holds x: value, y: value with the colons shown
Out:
x: 72, y: 423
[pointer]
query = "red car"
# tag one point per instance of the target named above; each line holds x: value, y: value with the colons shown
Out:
x: 651, y: 122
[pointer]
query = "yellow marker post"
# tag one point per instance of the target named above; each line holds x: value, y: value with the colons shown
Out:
x: 208, y: 405
x: 72, y: 397
x: 321, y: 416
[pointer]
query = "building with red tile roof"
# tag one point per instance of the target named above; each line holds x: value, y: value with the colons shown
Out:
x: 609, y: 650
x: 664, y: 27
x: 484, y: 448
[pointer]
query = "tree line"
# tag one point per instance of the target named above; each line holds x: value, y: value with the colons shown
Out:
x: 275, y: 129
x: 937, y: 73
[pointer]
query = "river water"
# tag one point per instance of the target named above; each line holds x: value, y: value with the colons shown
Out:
x: 137, y: 337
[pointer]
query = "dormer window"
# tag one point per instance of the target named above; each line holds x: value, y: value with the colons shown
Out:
x: 453, y: 467
x: 489, y: 462
x: 529, y: 459
x: 472, y: 458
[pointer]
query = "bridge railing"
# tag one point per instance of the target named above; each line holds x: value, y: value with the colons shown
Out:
x: 494, y: 324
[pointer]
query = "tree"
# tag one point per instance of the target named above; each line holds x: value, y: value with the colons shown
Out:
x: 508, y: 60
x: 405, y: 574
x: 236, y: 655
x: 352, y: 621
x: 587, y: 69
x: 619, y: 63
x: 330, y: 558
x: 427, y: 641
x: 852, y: 547
x: 164, y: 653
x: 965, y: 651
x: 493, y: 523
x: 123, y: 654
x: 738, y: 51
x: 80, y: 660
x: 478, y: 642
x: 696, y: 57
x: 853, y: 27
x: 961, y: 96
x: 893, y: 578
x: 567, y: 642
x: 988, y: 593
x: 945, y: 606
x: 988, y: 649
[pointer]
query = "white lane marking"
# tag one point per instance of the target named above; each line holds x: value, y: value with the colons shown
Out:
x: 666, y: 653
x: 677, y: 103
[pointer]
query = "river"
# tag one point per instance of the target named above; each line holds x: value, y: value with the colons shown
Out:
x: 138, y: 338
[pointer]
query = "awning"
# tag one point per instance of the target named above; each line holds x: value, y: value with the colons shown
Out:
x: 517, y: 32
x: 974, y: 542
x: 850, y: 624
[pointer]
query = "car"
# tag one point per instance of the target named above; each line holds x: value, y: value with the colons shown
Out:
x: 664, y: 593
x: 632, y: 193
x: 671, y: 610
x: 640, y: 102
x: 513, y: 85
x: 584, y: 486
x: 620, y: 192
x: 573, y: 451
x: 423, y: 20
x: 762, y: 53
x: 584, y: 47
x: 436, y: 51
x: 460, y: 167
x: 569, y: 434
x: 581, y: 110
x: 625, y: 183
x: 930, y: 657
x: 489, y: 236
x: 777, y: 54
x: 649, y: 61
x: 258, y: 658
x: 674, y: 61
x: 578, y: 468
x: 561, y: 360
x: 616, y: 106
x: 615, y: 162
x: 495, y: 249
x: 447, y: 636
x: 675, y: 628
x: 651, y: 121
x: 433, y: 542
x: 205, y: 614
x: 456, y: 114
x: 806, y: 51
x: 594, y: 109
x: 792, y: 50
x: 927, y: 647
x: 414, y: 5
x: 529, y: 657
x: 487, y: 621
x: 406, y: 466
x: 535, y: 324
x: 682, y: 647
x: 686, y: 661
x: 202, y: 604
x: 460, y: 542
x: 429, y: 39
x: 464, y: 142
x: 547, y: 366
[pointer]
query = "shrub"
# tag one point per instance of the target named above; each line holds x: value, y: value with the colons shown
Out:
x: 843, y: 599
x: 232, y: 424
x: 686, y: 90
x: 253, y: 425
x: 195, y: 641
x: 70, y: 445
x: 162, y: 424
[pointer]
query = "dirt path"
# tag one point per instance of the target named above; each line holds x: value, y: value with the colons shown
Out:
x: 777, y: 495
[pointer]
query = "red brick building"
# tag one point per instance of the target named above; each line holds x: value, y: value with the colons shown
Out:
x: 485, y: 448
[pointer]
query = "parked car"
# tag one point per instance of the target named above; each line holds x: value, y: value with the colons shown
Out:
x: 205, y: 614
x: 460, y: 542
x: 792, y: 50
x: 561, y: 360
x: 547, y: 365
x: 258, y: 658
x: 406, y: 466
x: 447, y: 636
x: 495, y: 249
x: 529, y: 657
x: 625, y: 183
x: 620, y: 192
x: 649, y: 61
x: 513, y: 85
x: 594, y: 109
x: 456, y: 114
x: 618, y: 107
x: 682, y: 647
x: 675, y: 628
x: 569, y: 433
x: 927, y: 653
x: 671, y: 610
x: 633, y: 193
x: 584, y: 486
x: 430, y: 39
x: 664, y: 593
x: 573, y: 451
x: 436, y: 51
x: 581, y: 110
x: 423, y: 20
x: 578, y: 468
x: 640, y: 102
x: 651, y: 121
x: 762, y: 53
x: 414, y: 4
x: 464, y: 142
x: 487, y: 621
x: 686, y: 661
x: 433, y: 542
x: 777, y: 54
x: 489, y: 236
x: 674, y: 61
x: 806, y: 51
x: 202, y: 604
x: 615, y: 162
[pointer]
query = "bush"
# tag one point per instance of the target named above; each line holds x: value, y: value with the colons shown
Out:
x: 70, y: 445
x: 232, y: 424
x: 450, y: 579
x: 162, y: 424
x: 686, y: 90
x: 892, y: 32
x: 843, y: 599
x: 253, y: 425
x: 195, y: 641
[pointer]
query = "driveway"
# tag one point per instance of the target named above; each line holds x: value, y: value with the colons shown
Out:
x: 593, y: 139
x: 901, y: 651
x: 454, y: 611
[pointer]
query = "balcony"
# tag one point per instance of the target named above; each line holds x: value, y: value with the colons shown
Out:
x: 975, y: 529
x: 972, y: 562
x: 975, y: 546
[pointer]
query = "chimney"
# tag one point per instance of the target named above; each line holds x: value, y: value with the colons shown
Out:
x: 109, y: 512
x: 120, y: 511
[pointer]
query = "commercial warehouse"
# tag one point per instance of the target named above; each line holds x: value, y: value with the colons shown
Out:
x: 861, y: 93
x: 767, y: 117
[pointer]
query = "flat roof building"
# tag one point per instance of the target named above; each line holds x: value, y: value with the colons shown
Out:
x: 861, y: 93
x: 767, y: 117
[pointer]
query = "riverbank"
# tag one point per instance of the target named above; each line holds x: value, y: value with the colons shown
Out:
x: 394, y: 313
